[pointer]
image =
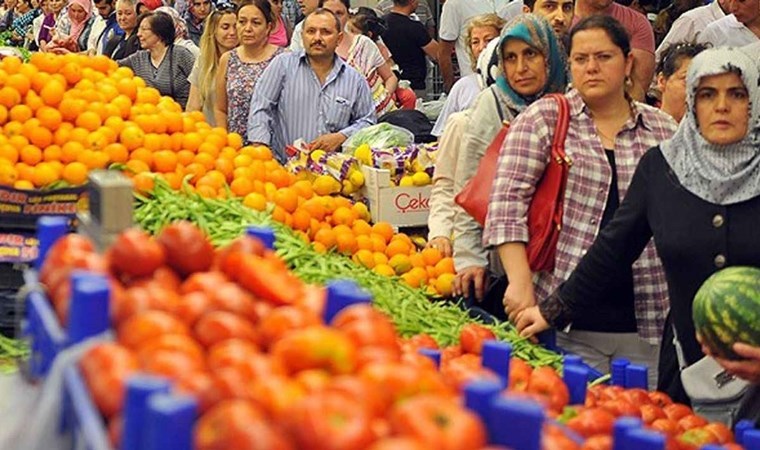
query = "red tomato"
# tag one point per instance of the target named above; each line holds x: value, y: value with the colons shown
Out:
x: 205, y: 282
x: 217, y: 326
x: 519, y: 374
x: 164, y: 277
x: 401, y: 382
x: 244, y: 244
x: 313, y: 299
x: 690, y: 422
x: 177, y: 343
x: 145, y: 297
x: 721, y: 432
x: 105, y: 369
x: 144, y: 326
x: 237, y: 424
x: 367, y: 327
x: 313, y: 380
x: 651, y: 412
x: 232, y: 298
x: 677, y: 411
x: 280, y: 321
x: 63, y: 251
x: 660, y: 399
x: 592, y: 421
x: 325, y: 420
x: 666, y: 426
x: 636, y: 397
x: 275, y: 394
x: 136, y: 254
x: 191, y: 307
x: 438, y: 423
x: 254, y: 367
x: 316, y: 347
x: 555, y: 439
x: 464, y: 369
x: 398, y: 443
x: 546, y: 382
x: 354, y: 387
x: 171, y: 364
x: 417, y: 342
x: 231, y: 352
x: 417, y: 360
x: 472, y: 336
x: 621, y: 408
x: 266, y: 279
x: 598, y: 442
x: 370, y: 354
x: 450, y: 352
x: 188, y: 250
x: 200, y: 385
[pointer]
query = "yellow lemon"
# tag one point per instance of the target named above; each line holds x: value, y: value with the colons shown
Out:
x: 406, y: 181
x: 421, y: 179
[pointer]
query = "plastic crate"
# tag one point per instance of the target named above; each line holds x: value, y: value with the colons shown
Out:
x: 81, y: 418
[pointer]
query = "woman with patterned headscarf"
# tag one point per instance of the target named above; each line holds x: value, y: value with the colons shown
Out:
x: 180, y: 30
x: 698, y: 195
x: 71, y: 33
x: 527, y: 42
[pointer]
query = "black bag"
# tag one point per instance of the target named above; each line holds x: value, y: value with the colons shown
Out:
x: 414, y: 121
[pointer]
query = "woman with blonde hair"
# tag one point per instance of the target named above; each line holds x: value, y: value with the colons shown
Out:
x: 219, y: 37
x: 480, y: 31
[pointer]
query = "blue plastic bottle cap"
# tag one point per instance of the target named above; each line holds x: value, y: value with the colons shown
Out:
x: 618, y: 371
x: 264, y: 234
x: 576, y: 379
x: 170, y: 422
x: 496, y: 355
x: 478, y: 396
x: 433, y: 354
x: 89, y: 308
x: 623, y: 426
x: 343, y: 293
x: 644, y: 440
x: 515, y: 423
x: 139, y: 389
x: 49, y: 229
x: 636, y: 377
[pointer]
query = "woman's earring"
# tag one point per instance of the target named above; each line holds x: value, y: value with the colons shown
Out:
x: 628, y: 82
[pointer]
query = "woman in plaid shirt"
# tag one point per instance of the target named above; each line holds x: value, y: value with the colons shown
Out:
x: 608, y: 134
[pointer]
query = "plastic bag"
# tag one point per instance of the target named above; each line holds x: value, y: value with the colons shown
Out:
x: 382, y: 135
x: 433, y: 108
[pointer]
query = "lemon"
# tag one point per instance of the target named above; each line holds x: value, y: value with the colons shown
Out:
x: 400, y: 264
x: 325, y: 185
x: 417, y: 166
x: 406, y: 181
x: 364, y: 154
x: 348, y: 187
x: 357, y: 178
x: 421, y: 179
x: 316, y: 155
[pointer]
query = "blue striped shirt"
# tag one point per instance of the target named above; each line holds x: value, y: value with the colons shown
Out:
x: 290, y: 103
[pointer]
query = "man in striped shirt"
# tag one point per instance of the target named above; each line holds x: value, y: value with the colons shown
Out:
x: 311, y: 94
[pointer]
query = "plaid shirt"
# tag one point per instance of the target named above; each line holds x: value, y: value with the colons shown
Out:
x: 522, y: 162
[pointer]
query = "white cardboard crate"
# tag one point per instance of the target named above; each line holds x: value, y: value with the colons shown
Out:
x: 400, y: 206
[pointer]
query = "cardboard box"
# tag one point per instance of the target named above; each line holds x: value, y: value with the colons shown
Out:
x: 400, y: 206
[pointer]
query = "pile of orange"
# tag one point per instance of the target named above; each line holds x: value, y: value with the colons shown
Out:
x: 64, y: 115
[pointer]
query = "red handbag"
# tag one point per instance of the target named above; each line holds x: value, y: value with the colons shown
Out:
x: 546, y: 207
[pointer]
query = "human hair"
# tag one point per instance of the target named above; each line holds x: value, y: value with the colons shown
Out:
x: 614, y: 30
x: 162, y: 25
x: 366, y: 20
x: 346, y: 3
x: 262, y: 5
x: 673, y: 56
x: 326, y: 12
x: 402, y: 3
x: 482, y: 21
x: 132, y: 3
x: 210, y: 53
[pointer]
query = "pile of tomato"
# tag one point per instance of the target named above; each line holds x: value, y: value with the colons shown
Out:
x: 236, y: 330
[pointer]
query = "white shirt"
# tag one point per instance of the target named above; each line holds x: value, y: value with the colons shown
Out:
x: 296, y: 41
x: 728, y: 32
x: 454, y: 18
x: 93, y: 41
x: 689, y: 26
x: 753, y: 50
x: 461, y: 97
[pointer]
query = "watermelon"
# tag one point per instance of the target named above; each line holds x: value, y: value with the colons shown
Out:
x: 726, y: 310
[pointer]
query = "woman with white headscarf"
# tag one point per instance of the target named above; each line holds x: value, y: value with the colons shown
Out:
x: 180, y: 30
x: 697, y: 194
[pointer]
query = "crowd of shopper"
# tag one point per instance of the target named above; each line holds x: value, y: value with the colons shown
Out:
x: 664, y: 134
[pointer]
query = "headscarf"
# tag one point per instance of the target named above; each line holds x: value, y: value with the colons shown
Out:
x: 180, y: 27
x: 78, y: 27
x: 719, y: 174
x: 488, y: 66
x: 535, y: 31
x: 151, y: 4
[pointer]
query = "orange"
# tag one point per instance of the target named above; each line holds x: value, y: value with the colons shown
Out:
x: 123, y: 104
x: 185, y: 157
x: 44, y: 174
x: 137, y: 166
x: 11, y: 64
x: 72, y: 73
x: 225, y: 166
x: 287, y: 199
x: 241, y: 187
x: 127, y: 87
x: 261, y: 153
x: 314, y: 208
x: 117, y: 153
x: 445, y: 265
x: 326, y: 237
x: 80, y: 135
x: 70, y: 108
x: 304, y: 189
x: 384, y: 269
x: 41, y: 137
x: 378, y: 243
x: 415, y: 278
x: 164, y: 161
x: 380, y: 258
x: 256, y: 201
x: 148, y: 95
x: 397, y: 247
x: 52, y: 93
x: 280, y: 177
x: 195, y: 169
x: 70, y: 150
x: 143, y: 155
x: 132, y: 137
x: 33, y: 101
x: 346, y: 243
x: 319, y: 247
x: 417, y: 260
x: 205, y: 160
x: 400, y: 264
x: 143, y: 182
x: 9, y: 97
x: 301, y: 220
x: 365, y: 258
x: 30, y: 155
x: 432, y: 256
x: 21, y: 113
x: 23, y: 185
x: 384, y: 229
x: 52, y: 153
x: 234, y: 140
x: 19, y: 82
x: 444, y: 284
x: 3, y: 115
x: 282, y: 216
x: 242, y: 161
x: 8, y: 175
x: 361, y: 227
x: 75, y: 173
x: 49, y: 117
x: 361, y: 210
x: 343, y: 216
x: 192, y: 141
x: 8, y: 153
x: 19, y: 141
x: 25, y: 171
x: 89, y: 120
x: 363, y: 242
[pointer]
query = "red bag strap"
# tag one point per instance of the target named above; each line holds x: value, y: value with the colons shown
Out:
x: 563, y: 123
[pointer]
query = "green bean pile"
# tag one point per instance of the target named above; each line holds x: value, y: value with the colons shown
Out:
x: 10, y: 351
x: 412, y: 311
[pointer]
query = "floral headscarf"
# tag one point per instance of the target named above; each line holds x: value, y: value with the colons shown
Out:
x: 78, y: 27
x: 180, y: 27
x: 535, y: 31
x: 719, y: 174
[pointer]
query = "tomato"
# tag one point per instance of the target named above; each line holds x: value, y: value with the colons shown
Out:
x: 232, y: 383
x: 636, y: 397
x: 254, y: 367
x: 417, y: 342
x: 554, y: 438
x: 237, y: 424
x: 546, y: 382
x: 313, y: 299
x: 232, y: 298
x: 180, y: 343
x: 326, y: 420
x: 519, y: 374
x: 592, y: 421
x: 316, y: 347
x: 244, y: 244
x: 171, y: 364
x: 275, y: 394
x: 472, y: 336
x: 266, y: 279
x: 144, y: 326
x: 721, y: 432
x: 660, y: 399
x: 369, y: 354
x: 450, y: 352
x: 696, y: 438
x: 191, y: 307
x: 136, y: 254
x: 367, y: 327
x: 217, y: 326
x: 610, y: 392
x: 354, y: 387
x: 666, y: 426
x: 464, y: 369
x: 144, y: 297
x: 598, y: 442
x: 280, y: 321
x: 164, y: 277
x: 205, y: 282
x: 105, y: 369
x: 438, y: 423
x: 651, y: 412
x: 621, y: 408
x: 398, y: 443
x: 690, y: 422
x: 201, y: 386
x: 313, y: 380
x: 230, y: 353
x: 400, y: 381
x: 417, y: 360
x: 187, y: 248
x: 63, y: 251
x: 677, y: 411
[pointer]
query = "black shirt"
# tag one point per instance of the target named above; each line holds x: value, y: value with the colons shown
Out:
x: 405, y: 39
x: 694, y: 239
